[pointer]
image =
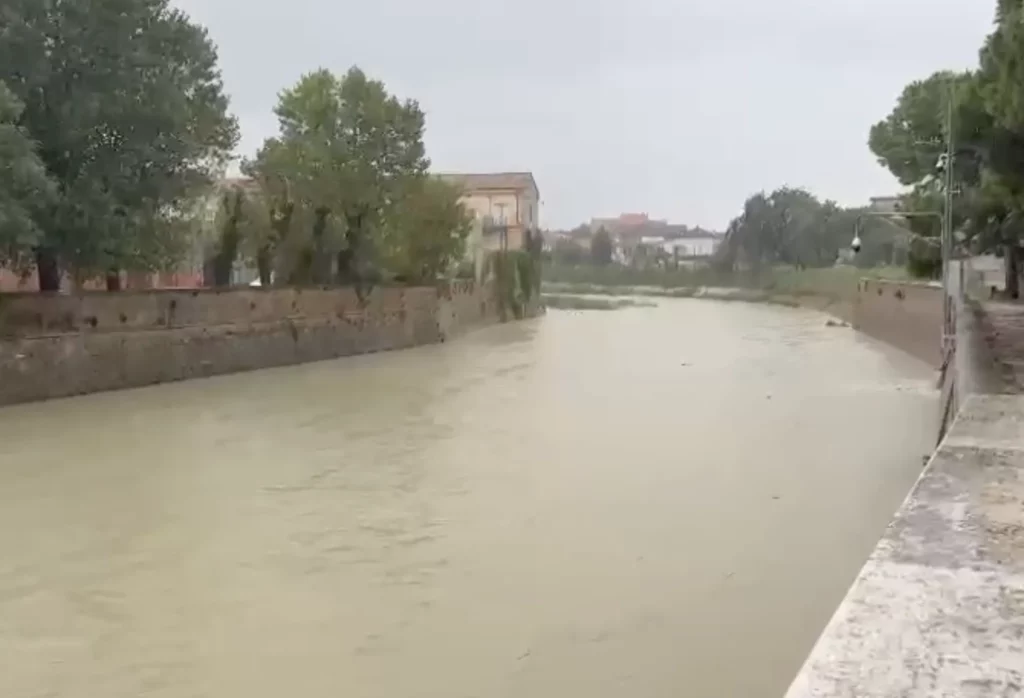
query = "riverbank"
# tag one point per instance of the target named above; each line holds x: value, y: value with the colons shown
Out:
x: 560, y: 295
x: 831, y: 290
x: 942, y: 593
x: 903, y: 313
x: 61, y: 345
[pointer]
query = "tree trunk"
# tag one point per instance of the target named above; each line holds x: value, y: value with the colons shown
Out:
x: 320, y: 269
x: 114, y: 280
x: 345, y: 263
x: 1011, y: 265
x: 48, y: 269
x: 210, y: 272
x: 264, y: 265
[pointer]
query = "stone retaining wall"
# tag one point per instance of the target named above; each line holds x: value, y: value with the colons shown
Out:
x: 60, y: 345
x: 906, y: 315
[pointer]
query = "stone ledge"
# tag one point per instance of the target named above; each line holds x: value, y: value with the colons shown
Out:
x: 938, y: 610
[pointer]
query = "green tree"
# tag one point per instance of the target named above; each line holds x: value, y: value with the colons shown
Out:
x: 350, y: 152
x: 601, y: 248
x: 424, y: 236
x: 25, y: 188
x: 125, y: 101
x: 999, y: 219
x: 911, y: 143
x: 230, y: 224
x: 568, y: 252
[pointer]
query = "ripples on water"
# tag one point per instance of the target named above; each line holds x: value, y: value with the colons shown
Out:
x: 649, y: 502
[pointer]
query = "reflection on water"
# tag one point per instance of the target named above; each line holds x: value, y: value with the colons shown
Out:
x: 658, y: 501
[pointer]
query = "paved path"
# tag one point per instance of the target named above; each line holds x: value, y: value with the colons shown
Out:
x: 938, y: 610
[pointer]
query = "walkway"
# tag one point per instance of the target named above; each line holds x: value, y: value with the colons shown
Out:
x: 938, y: 610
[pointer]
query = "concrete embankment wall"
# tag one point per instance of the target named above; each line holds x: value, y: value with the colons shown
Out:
x: 904, y: 314
x: 60, y: 345
x: 937, y: 609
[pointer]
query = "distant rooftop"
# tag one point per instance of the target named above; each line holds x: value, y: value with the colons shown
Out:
x: 468, y: 181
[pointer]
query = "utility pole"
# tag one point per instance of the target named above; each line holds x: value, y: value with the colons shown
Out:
x: 947, y: 224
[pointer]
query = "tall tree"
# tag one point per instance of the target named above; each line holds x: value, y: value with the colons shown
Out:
x: 25, y: 189
x: 1002, y: 90
x: 601, y: 248
x: 125, y: 100
x: 271, y: 209
x: 351, y: 151
x: 424, y: 236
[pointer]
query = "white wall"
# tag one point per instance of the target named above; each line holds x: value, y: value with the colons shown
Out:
x: 693, y: 247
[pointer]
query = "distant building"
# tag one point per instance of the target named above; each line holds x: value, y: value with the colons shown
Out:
x: 505, y: 204
x: 885, y: 204
x: 632, y: 224
x: 695, y: 244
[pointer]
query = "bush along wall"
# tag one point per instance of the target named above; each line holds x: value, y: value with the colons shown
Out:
x: 517, y: 282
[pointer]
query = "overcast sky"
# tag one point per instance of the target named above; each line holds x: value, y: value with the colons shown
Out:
x: 678, y: 108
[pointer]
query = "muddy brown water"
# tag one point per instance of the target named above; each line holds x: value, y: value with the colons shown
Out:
x: 663, y: 501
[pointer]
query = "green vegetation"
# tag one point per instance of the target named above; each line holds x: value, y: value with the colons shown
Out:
x: 621, y: 275
x: 601, y: 248
x: 116, y: 125
x: 517, y: 280
x: 791, y: 227
x: 24, y: 186
x: 782, y: 285
x: 987, y: 170
x: 124, y: 102
x: 583, y: 302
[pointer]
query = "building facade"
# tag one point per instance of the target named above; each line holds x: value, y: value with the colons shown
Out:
x: 505, y: 205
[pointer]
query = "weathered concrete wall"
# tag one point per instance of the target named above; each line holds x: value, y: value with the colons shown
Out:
x: 938, y: 610
x: 55, y: 346
x: 904, y: 314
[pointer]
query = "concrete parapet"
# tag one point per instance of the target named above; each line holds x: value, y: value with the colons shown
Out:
x: 939, y: 608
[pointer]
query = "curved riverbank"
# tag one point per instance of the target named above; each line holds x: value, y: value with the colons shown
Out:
x: 561, y: 295
x: 904, y: 314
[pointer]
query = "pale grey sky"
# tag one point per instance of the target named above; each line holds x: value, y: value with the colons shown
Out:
x: 678, y: 108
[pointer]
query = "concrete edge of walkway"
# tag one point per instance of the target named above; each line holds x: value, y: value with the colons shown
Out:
x: 938, y: 610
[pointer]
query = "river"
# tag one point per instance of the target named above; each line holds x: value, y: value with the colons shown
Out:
x: 650, y: 502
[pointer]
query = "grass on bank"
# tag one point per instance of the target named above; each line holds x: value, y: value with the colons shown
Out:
x: 560, y: 301
x: 834, y: 283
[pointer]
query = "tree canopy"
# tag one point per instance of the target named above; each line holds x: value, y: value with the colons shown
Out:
x: 25, y: 188
x: 125, y: 101
x: 791, y: 226
x: 988, y: 134
x: 350, y: 153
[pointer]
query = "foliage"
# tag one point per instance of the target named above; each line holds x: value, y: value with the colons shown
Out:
x: 230, y: 224
x: 792, y: 227
x: 988, y: 163
x: 25, y: 187
x: 507, y: 284
x: 567, y: 252
x: 350, y: 152
x: 601, y: 248
x: 424, y: 236
x: 517, y: 281
x: 125, y: 100
x: 270, y: 214
x: 910, y: 141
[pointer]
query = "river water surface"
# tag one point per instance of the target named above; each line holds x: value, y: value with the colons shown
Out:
x: 649, y: 502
